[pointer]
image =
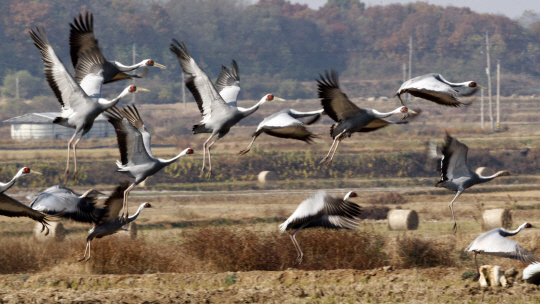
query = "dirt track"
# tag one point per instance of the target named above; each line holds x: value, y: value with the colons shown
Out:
x: 293, y: 286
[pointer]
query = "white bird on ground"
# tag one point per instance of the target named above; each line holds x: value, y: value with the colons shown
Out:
x: 531, y: 273
x: 134, y: 143
x: 59, y: 199
x: 454, y: 169
x: 322, y: 210
x: 348, y: 117
x: 435, y: 88
x: 78, y: 109
x: 494, y: 242
x: 285, y: 124
x: 81, y: 41
x: 218, y: 116
x: 111, y: 223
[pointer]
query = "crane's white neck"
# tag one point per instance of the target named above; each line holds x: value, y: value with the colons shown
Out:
x: 514, y: 232
x: 4, y: 187
x: 134, y: 216
x: 249, y: 111
x: 347, y: 196
x: 298, y: 114
x: 105, y: 104
x: 455, y: 84
x: 128, y: 68
x: 386, y: 114
x: 172, y: 160
x: 484, y: 179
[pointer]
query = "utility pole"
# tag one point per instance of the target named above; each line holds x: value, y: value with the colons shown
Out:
x: 17, y: 87
x: 489, y: 83
x: 404, y: 68
x: 498, y: 94
x: 410, y: 61
x: 134, y: 62
x: 184, y: 89
x: 482, y: 109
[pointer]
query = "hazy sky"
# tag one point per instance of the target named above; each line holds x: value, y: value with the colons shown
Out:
x: 510, y: 8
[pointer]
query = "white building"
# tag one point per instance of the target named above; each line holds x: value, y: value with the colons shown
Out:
x: 40, y: 126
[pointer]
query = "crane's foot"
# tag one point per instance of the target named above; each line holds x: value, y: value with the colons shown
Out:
x: 244, y: 152
x: 202, y: 172
x: 209, y: 174
x: 75, y: 175
x: 323, y: 160
x: 298, y: 260
x: 66, y: 174
x: 455, y: 228
x: 83, y: 259
x: 328, y: 162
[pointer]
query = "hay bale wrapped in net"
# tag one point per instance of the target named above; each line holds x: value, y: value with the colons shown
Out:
x: 495, y: 218
x: 399, y: 219
x: 56, y: 232
x: 267, y: 176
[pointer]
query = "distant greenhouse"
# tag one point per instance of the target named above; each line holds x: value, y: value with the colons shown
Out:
x: 40, y: 126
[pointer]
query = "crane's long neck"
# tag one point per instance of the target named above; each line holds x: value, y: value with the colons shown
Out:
x: 298, y: 114
x: 128, y: 68
x: 386, y: 114
x: 484, y: 179
x: 134, y: 216
x: 4, y: 187
x: 105, y: 104
x: 513, y: 232
x: 167, y: 162
x: 454, y: 84
x: 347, y: 196
x: 249, y: 111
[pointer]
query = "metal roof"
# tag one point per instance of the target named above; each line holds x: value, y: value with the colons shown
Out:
x: 42, y: 118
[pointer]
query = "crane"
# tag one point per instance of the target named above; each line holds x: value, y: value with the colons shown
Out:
x: 82, y: 40
x: 228, y: 83
x: 531, y: 273
x: 322, y: 210
x: 110, y: 222
x: 218, y: 116
x: 79, y: 208
x: 435, y: 88
x: 348, y: 117
x: 134, y: 143
x: 79, y: 110
x: 13, y: 208
x: 285, y: 124
x: 494, y: 242
x: 454, y: 169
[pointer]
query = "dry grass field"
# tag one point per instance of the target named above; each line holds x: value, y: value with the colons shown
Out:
x: 212, y: 241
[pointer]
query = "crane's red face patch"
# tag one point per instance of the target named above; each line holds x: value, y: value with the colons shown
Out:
x: 270, y: 97
x: 472, y: 84
x: 189, y: 151
x: 150, y: 63
x: 26, y: 170
x: 132, y: 88
x: 147, y: 205
x: 353, y: 194
x: 527, y: 225
x: 404, y: 110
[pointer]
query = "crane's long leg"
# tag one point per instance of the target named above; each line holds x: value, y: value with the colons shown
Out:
x: 89, y: 250
x: 84, y: 256
x: 452, y: 209
x: 249, y: 147
x: 126, y: 195
x: 329, y: 151
x: 220, y: 135
x: 204, y: 152
x: 294, y: 244
x: 75, y: 157
x: 477, y: 276
x: 69, y: 146
x: 328, y: 162
x: 301, y: 254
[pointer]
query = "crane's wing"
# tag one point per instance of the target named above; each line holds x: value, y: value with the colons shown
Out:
x: 315, y: 115
x: 282, y: 125
x: 57, y: 200
x: 454, y: 162
x: 531, y: 271
x: 198, y: 83
x: 228, y: 84
x: 335, y: 103
x: 129, y: 138
x: 89, y: 72
x: 81, y: 37
x: 65, y: 88
x: 431, y: 87
x: 114, y: 204
x: 13, y: 208
x: 493, y: 243
x: 343, y: 213
x: 132, y: 115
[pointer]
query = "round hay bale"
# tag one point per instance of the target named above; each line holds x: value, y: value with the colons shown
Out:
x: 495, y: 218
x: 56, y: 232
x: 484, y: 171
x: 267, y: 176
x: 399, y: 219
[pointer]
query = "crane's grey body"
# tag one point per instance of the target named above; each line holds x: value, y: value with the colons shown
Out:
x: 81, y: 40
x: 134, y: 143
x: 110, y: 222
x: 218, y: 115
x: 454, y: 169
x: 435, y: 88
x: 349, y: 118
x: 59, y: 199
x: 322, y: 210
x: 285, y: 124
x: 496, y: 243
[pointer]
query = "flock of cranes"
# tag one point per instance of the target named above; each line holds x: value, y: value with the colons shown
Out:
x: 81, y: 103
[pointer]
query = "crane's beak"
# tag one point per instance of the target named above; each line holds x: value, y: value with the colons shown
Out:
x: 279, y: 99
x: 411, y: 111
x: 161, y: 66
x: 142, y: 90
x: 481, y: 87
x: 35, y: 172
